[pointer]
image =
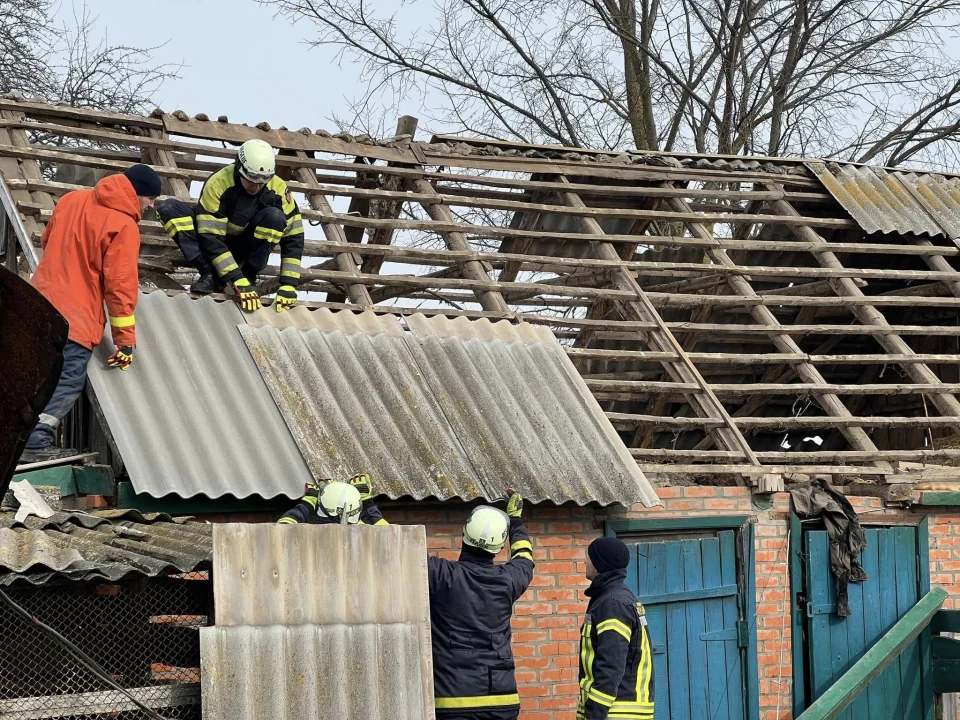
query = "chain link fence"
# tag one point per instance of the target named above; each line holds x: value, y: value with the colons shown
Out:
x: 144, y: 634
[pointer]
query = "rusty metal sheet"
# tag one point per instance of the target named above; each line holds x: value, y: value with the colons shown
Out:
x: 309, y: 625
x: 32, y: 337
x: 889, y: 201
x: 450, y: 408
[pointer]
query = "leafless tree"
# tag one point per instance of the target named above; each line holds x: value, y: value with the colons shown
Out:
x: 852, y: 79
x: 40, y: 56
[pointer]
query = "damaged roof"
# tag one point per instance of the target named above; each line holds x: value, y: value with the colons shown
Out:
x: 105, y: 545
x: 449, y: 408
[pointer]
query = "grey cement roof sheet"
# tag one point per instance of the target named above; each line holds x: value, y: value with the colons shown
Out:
x: 450, y: 408
x: 192, y: 416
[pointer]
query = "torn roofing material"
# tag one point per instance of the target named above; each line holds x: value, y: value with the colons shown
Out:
x: 310, y: 626
x: 452, y: 408
x: 79, y: 546
x: 192, y: 415
x: 887, y: 201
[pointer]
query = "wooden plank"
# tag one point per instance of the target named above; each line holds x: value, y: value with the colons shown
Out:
x: 857, y: 642
x: 870, y: 559
x: 718, y: 653
x: 784, y: 423
x: 842, y: 456
x: 731, y: 615
x: 677, y: 660
x: 905, y: 543
x: 43, y: 110
x: 696, y: 651
x: 105, y: 702
x: 628, y: 387
x: 80, y: 459
x: 690, y: 594
x: 818, y: 593
x: 656, y: 582
x: 931, y: 497
x: 887, y: 576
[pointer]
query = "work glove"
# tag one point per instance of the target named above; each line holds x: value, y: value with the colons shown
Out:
x: 286, y: 298
x: 122, y: 358
x: 313, y: 489
x: 247, y: 295
x: 514, y: 503
x: 364, y: 486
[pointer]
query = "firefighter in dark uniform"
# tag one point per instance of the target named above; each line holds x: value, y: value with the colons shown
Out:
x: 329, y: 502
x: 616, y: 658
x: 244, y: 212
x: 471, y: 602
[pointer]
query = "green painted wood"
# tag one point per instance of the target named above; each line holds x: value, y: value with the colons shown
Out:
x: 750, y: 698
x: 696, y: 626
x: 932, y: 497
x: 856, y: 644
x: 719, y: 631
x: 819, y: 589
x: 798, y: 625
x: 656, y: 579
x: 60, y: 476
x: 691, y: 594
x: 946, y: 621
x: 735, y: 611
x: 926, y: 676
x: 887, y: 579
x: 698, y: 522
x: 945, y: 667
x: 907, y: 595
x: 871, y: 616
x: 678, y: 666
x: 839, y: 696
x: 94, y: 480
x: 127, y: 498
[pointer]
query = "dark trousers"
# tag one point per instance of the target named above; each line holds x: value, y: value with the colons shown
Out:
x: 498, y: 714
x: 68, y: 391
x: 251, y: 253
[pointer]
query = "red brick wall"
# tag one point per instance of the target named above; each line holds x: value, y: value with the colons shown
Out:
x: 547, y: 618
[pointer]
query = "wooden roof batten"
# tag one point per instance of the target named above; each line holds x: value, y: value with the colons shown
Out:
x: 653, y: 269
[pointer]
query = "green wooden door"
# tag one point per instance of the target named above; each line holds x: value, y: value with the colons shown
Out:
x: 692, y: 597
x: 834, y: 644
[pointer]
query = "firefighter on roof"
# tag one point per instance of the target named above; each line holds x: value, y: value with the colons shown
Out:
x: 330, y: 502
x: 471, y: 602
x: 245, y: 212
x: 616, y: 658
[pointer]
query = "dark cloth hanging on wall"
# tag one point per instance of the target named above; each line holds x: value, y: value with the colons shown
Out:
x: 819, y: 499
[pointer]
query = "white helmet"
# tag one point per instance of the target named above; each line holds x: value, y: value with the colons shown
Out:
x: 256, y: 161
x: 486, y: 528
x: 340, y: 500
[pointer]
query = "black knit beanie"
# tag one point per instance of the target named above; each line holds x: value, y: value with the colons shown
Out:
x: 144, y: 179
x: 608, y: 554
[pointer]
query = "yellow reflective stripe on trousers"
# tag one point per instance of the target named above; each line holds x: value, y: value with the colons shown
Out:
x: 224, y: 263
x: 287, y: 521
x: 267, y: 235
x: 235, y: 229
x: 122, y: 321
x: 181, y: 224
x: 477, y: 701
x: 617, y: 626
x: 290, y: 267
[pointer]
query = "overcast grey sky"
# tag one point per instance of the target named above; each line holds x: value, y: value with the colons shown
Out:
x: 240, y: 61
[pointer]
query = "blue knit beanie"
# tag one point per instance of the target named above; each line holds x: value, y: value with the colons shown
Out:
x: 144, y: 179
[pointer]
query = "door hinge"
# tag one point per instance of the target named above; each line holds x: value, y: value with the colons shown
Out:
x: 828, y: 609
x: 740, y: 632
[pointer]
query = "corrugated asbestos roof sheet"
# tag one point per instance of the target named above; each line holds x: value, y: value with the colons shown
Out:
x: 452, y: 408
x: 310, y: 625
x: 192, y: 416
x: 887, y: 201
x: 100, y: 546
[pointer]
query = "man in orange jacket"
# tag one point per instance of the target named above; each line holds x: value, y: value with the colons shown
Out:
x: 91, y: 246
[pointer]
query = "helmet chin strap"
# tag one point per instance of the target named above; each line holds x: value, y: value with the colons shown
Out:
x: 343, y: 517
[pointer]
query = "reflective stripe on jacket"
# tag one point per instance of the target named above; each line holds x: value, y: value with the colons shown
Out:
x: 91, y: 246
x: 471, y: 603
x: 225, y: 208
x: 616, y: 658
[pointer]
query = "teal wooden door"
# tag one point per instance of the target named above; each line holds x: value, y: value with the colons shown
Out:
x: 834, y: 644
x: 690, y: 591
